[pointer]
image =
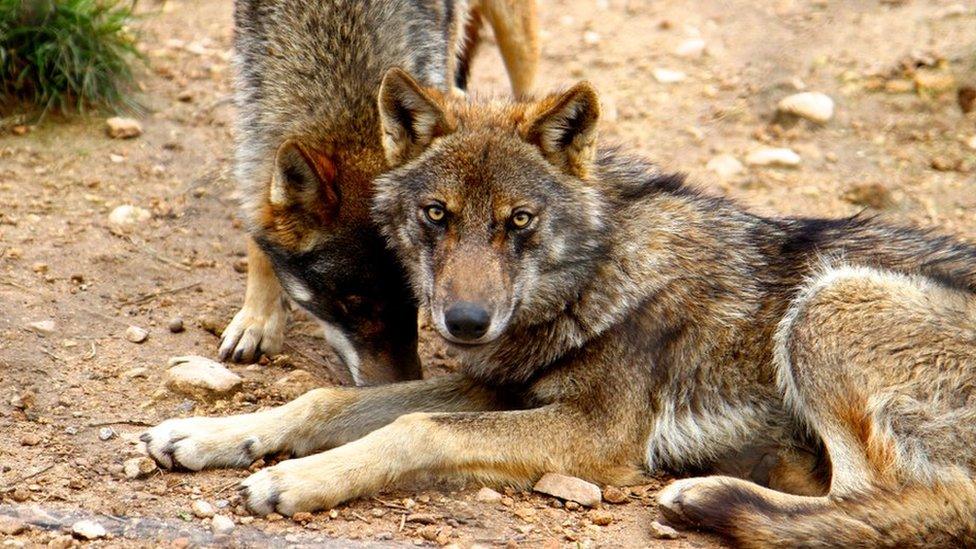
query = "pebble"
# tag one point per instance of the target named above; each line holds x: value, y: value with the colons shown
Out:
x: 61, y: 542
x: 175, y: 325
x: 30, y: 439
x: 106, y: 433
x: 872, y: 195
x: 11, y: 526
x: 136, y: 334
x: 118, y: 127
x: 693, y: 47
x: 771, y: 156
x: 202, y: 509
x: 591, y: 38
x: 487, y: 495
x: 933, y: 81
x: 302, y: 516
x: 971, y: 142
x: 296, y: 384
x: 725, y: 166
x: 613, y: 494
x: 135, y: 372
x: 139, y: 467
x: 43, y: 327
x: 200, y: 377
x: 88, y: 529
x: 663, y: 531
x: 814, y: 106
x: 128, y: 214
x: 668, y: 76
x: 569, y: 488
x: 601, y: 518
x: 222, y: 524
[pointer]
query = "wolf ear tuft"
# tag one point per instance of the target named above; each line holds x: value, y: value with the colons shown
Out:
x: 305, y: 181
x: 410, y: 117
x: 564, y: 128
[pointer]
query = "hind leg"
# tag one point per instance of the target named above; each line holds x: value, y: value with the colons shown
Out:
x: 881, y: 367
x: 514, y: 23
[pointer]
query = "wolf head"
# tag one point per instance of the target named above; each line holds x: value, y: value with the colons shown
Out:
x: 331, y: 260
x: 490, y: 207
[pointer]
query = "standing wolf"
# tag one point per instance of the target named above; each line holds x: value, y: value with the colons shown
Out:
x: 612, y: 320
x: 308, y: 149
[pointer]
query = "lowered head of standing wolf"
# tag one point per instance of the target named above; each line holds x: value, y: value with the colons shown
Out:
x: 500, y: 229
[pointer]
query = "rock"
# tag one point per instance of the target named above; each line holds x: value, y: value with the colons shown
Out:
x: 175, y: 325
x: 591, y: 38
x: 116, y: 158
x: 613, y: 494
x: 487, y: 495
x: 135, y: 372
x: 813, y: 106
x: 202, y: 509
x: 971, y: 142
x: 127, y: 214
x: 136, y: 334
x: 725, y: 166
x: 601, y: 518
x: 569, y: 488
x: 222, y: 525
x: 137, y: 468
x: 872, y: 195
x: 61, y: 542
x: 302, y: 516
x: 663, y: 531
x: 88, y: 529
x: 11, y: 526
x: 123, y: 128
x: 201, y: 377
x: 43, y: 327
x: 106, y: 433
x: 30, y: 439
x: 693, y: 47
x: 296, y: 384
x: 933, y: 81
x: 668, y: 76
x: 771, y: 156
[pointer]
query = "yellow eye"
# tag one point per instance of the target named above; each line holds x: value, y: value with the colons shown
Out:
x: 435, y: 214
x: 521, y: 220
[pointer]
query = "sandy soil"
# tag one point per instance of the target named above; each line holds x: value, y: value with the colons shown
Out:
x: 891, y: 148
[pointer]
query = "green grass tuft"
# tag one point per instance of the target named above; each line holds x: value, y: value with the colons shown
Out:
x: 66, y: 55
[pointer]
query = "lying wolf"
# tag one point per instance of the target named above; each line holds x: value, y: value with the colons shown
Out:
x: 612, y: 321
x: 308, y: 149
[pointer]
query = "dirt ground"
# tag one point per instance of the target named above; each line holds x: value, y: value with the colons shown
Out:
x: 898, y: 146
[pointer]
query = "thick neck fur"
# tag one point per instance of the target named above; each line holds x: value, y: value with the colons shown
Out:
x: 669, y: 244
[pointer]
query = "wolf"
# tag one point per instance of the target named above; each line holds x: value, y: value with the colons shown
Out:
x: 613, y: 320
x: 307, y: 150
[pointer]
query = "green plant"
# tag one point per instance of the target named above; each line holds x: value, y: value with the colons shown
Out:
x: 66, y: 55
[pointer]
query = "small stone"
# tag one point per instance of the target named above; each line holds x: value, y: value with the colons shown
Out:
x: 668, y: 76
x: 71, y: 430
x: 43, y: 327
x: 933, y: 81
x: 136, y: 334
x: 572, y: 506
x: 88, y: 529
x: 11, y: 526
x: 872, y: 195
x: 30, y: 439
x: 487, y: 495
x: 202, y: 509
x: 186, y: 96
x: 814, y: 106
x: 116, y: 158
x: 693, y: 47
x: 725, y: 166
x: 135, y: 372
x: 591, y: 38
x: 40, y: 268
x: 106, y: 433
x: 201, y: 377
x: 137, y: 468
x: 663, y: 531
x: 222, y: 525
x: 61, y: 542
x: 175, y: 325
x: 240, y: 266
x: 613, y: 494
x: 296, y: 384
x: 123, y: 128
x: 127, y: 214
x: 771, y: 156
x: 302, y: 516
x: 601, y: 518
x: 569, y: 488
x: 971, y: 142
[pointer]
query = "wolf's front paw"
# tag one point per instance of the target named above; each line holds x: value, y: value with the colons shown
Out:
x: 253, y: 333
x: 203, y: 442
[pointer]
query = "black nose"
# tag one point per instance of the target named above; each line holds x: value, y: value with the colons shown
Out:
x: 466, y: 320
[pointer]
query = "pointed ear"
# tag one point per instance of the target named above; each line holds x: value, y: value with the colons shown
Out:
x: 564, y: 128
x: 410, y: 117
x: 304, y: 181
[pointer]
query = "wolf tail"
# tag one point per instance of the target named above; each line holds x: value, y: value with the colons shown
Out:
x: 942, y: 514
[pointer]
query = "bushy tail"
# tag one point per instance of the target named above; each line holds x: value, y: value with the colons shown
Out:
x: 940, y: 515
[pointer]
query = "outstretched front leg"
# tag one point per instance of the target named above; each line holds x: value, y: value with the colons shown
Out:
x: 511, y: 446
x: 320, y: 419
